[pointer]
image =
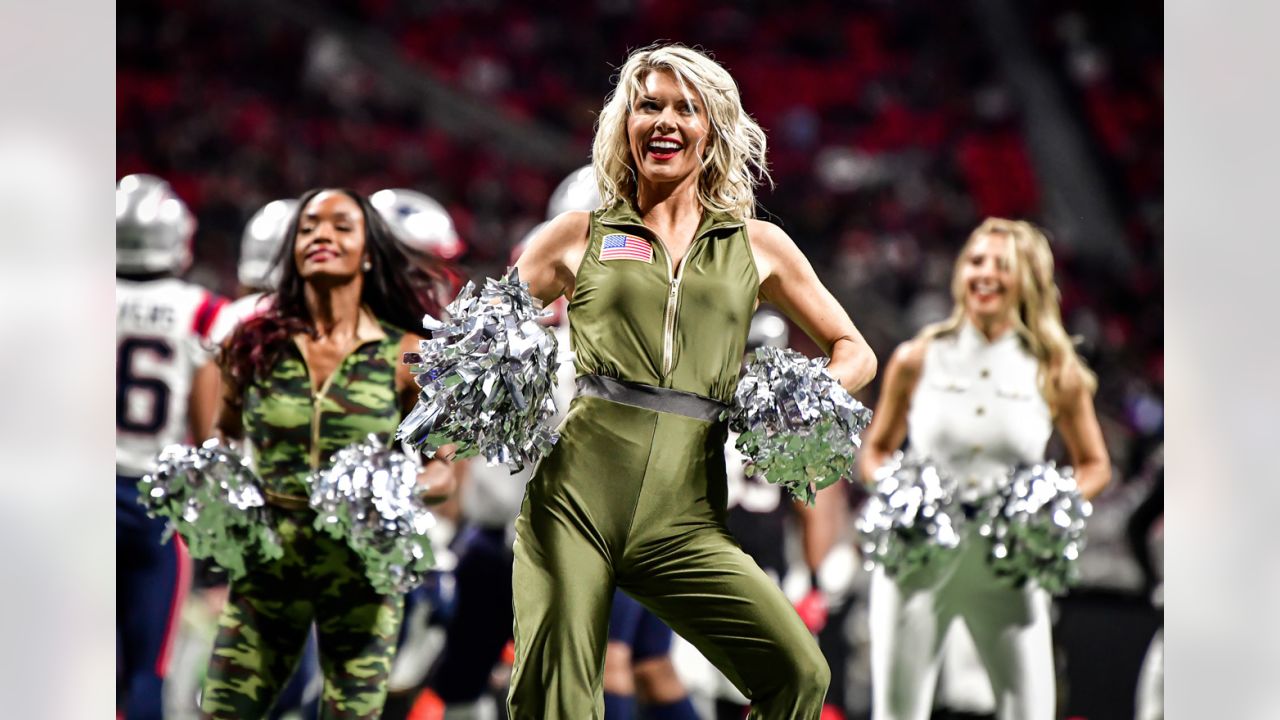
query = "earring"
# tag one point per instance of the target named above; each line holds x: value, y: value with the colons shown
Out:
x: 367, y: 266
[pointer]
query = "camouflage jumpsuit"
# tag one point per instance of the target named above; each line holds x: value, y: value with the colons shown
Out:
x: 269, y: 612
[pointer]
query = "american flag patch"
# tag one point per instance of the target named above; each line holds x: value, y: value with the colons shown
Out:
x: 625, y: 247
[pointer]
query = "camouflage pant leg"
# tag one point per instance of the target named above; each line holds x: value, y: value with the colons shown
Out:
x: 261, y: 633
x: 264, y: 626
x: 357, y: 630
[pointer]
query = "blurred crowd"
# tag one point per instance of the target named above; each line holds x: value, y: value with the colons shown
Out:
x: 892, y: 134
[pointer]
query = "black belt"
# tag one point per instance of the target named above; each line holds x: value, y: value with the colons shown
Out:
x: 676, y: 402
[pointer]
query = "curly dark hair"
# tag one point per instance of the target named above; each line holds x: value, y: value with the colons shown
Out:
x: 398, y: 292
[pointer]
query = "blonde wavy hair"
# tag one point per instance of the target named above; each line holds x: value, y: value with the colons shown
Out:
x: 1038, y: 320
x: 734, y: 160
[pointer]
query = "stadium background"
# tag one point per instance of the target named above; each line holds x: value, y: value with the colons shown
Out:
x: 894, y: 128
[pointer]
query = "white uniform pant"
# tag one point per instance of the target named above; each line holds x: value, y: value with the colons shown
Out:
x: 962, y: 684
x: 1151, y: 681
x: 1010, y: 627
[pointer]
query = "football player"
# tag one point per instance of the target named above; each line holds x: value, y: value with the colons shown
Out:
x: 259, y: 245
x: 166, y: 392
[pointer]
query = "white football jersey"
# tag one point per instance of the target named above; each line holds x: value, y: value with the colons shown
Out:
x: 162, y: 338
x: 236, y: 312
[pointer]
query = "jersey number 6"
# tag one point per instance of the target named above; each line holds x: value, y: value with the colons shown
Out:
x: 127, y: 382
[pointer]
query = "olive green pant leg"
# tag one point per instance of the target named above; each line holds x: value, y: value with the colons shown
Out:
x: 683, y: 564
x: 575, y: 514
x: 715, y: 596
x: 357, y: 630
x: 561, y: 628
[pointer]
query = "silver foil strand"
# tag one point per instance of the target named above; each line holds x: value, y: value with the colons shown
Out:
x: 487, y: 375
x: 213, y: 499
x: 910, y: 518
x: 1036, y: 526
x: 797, y: 426
x: 367, y: 498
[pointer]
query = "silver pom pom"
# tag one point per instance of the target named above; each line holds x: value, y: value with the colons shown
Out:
x: 213, y: 499
x: 798, y: 427
x: 910, y: 518
x: 487, y: 376
x: 1036, y: 524
x: 367, y: 498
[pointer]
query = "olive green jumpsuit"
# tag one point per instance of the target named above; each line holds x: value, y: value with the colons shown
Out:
x: 633, y: 494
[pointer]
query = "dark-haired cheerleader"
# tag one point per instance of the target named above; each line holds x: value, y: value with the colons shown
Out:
x: 319, y: 370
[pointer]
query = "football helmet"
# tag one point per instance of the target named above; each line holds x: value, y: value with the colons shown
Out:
x: 768, y: 328
x: 576, y: 192
x: 421, y: 224
x: 261, y: 241
x: 153, y: 226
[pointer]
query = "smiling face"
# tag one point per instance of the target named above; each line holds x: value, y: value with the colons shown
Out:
x: 330, y: 244
x: 987, y: 279
x: 667, y: 129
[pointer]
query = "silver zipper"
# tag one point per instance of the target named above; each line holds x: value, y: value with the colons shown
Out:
x: 673, y: 298
x: 669, y: 327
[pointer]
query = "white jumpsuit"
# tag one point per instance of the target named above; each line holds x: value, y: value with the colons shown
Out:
x: 976, y: 411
